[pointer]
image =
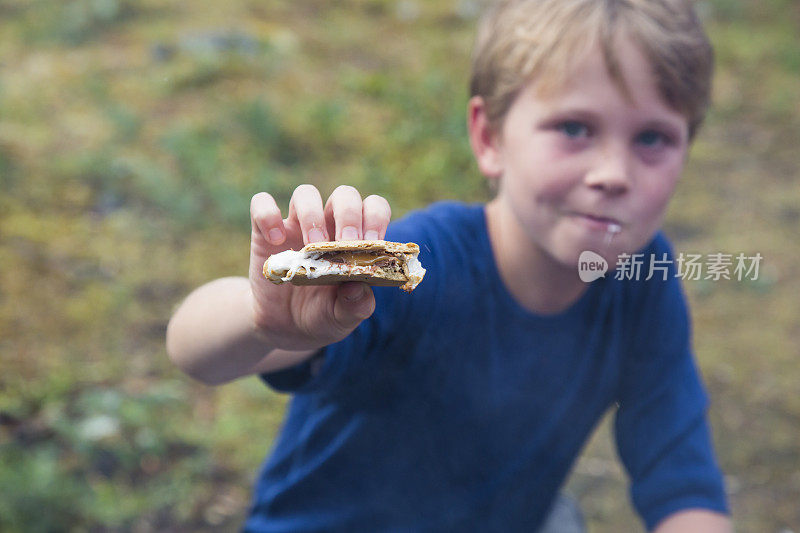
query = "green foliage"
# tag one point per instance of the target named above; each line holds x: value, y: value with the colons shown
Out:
x: 73, y: 22
x: 95, y: 456
x: 9, y: 173
x: 31, y: 482
x: 270, y: 140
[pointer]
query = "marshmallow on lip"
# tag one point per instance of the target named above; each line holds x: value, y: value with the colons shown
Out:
x: 599, y: 223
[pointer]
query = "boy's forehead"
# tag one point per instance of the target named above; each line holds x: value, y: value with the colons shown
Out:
x: 588, y: 81
x: 543, y: 42
x: 591, y: 60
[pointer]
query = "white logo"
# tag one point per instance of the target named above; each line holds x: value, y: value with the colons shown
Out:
x: 591, y: 266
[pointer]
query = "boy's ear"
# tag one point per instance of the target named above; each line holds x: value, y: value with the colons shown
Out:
x: 484, y: 140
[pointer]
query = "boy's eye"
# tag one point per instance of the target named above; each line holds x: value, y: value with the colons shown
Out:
x: 652, y: 138
x: 574, y: 129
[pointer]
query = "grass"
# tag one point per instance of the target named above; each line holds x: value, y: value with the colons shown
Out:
x: 132, y: 135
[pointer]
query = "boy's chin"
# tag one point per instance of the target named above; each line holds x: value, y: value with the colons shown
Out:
x: 589, y: 254
x: 595, y: 257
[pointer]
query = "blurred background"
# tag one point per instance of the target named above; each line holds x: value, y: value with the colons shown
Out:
x: 132, y: 136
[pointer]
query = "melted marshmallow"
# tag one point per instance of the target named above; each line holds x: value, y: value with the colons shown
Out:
x: 292, y: 261
x: 414, y: 271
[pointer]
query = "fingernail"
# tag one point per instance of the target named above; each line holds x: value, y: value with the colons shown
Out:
x: 275, y: 236
x: 371, y: 235
x: 315, y: 235
x: 349, y: 233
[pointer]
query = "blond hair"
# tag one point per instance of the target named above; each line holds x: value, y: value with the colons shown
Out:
x: 524, y: 41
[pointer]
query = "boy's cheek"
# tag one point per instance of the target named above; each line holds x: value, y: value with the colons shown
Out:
x: 653, y: 206
x: 661, y: 192
x: 654, y: 191
x: 651, y: 214
x: 541, y: 192
x: 560, y: 185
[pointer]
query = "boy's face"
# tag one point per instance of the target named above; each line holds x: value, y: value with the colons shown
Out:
x: 585, y: 159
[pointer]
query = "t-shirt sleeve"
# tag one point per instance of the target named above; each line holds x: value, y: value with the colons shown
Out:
x: 394, y: 314
x: 328, y: 367
x: 661, y: 429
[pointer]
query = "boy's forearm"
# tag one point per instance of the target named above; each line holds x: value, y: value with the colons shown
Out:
x: 212, y: 337
x: 695, y: 520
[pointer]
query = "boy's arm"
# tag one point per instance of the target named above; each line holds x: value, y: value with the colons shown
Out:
x: 661, y: 428
x: 234, y: 327
x: 694, y: 521
x: 212, y: 336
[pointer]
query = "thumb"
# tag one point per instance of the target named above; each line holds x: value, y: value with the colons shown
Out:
x: 354, y: 303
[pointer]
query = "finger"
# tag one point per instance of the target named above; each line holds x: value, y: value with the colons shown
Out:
x: 305, y: 208
x: 354, y: 303
x: 265, y: 217
x: 343, y: 213
x: 376, y: 217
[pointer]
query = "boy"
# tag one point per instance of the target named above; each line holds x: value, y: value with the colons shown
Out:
x: 462, y: 406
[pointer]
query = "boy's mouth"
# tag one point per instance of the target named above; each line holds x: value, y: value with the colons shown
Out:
x: 599, y: 222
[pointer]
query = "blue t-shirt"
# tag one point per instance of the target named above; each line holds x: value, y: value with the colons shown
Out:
x: 454, y: 409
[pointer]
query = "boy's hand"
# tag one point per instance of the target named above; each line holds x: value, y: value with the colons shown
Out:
x: 308, y: 318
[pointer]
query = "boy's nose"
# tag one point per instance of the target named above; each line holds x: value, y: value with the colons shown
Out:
x: 611, y: 173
